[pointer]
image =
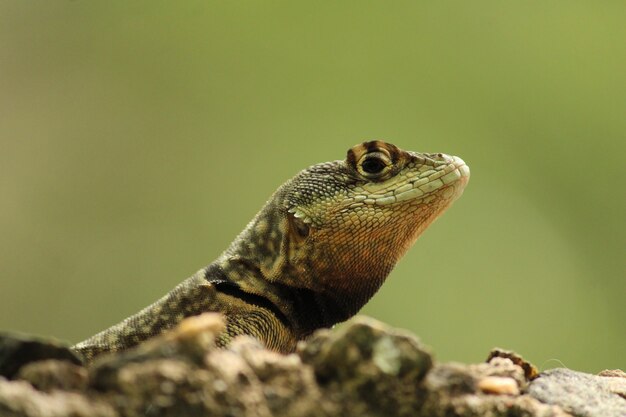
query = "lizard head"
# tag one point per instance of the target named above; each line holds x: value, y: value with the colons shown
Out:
x: 340, y: 227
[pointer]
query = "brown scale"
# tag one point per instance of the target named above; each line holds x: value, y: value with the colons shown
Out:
x: 312, y: 257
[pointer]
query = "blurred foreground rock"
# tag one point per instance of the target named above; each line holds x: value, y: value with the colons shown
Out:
x: 361, y: 368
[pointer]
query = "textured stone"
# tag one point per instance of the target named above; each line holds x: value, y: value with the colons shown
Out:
x: 20, y: 399
x: 361, y: 368
x: 579, y: 393
x: 52, y: 375
x: 368, y: 368
x: 16, y: 350
x: 453, y: 389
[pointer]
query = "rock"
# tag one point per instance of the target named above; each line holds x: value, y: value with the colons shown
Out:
x: 368, y: 368
x: 183, y: 374
x: 617, y: 384
x: 616, y: 373
x: 189, y: 341
x: 20, y: 399
x: 454, y: 389
x: 498, y: 385
x: 581, y: 394
x: 361, y: 368
x: 289, y: 386
x: 49, y: 375
x: 165, y: 387
x: 17, y: 350
x: 530, y: 371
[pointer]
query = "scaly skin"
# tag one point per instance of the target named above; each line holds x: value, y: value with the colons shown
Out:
x: 314, y: 255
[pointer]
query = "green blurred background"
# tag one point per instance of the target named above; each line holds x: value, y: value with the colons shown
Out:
x: 138, y: 138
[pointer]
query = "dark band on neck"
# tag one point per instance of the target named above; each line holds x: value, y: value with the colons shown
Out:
x: 312, y: 308
x: 216, y: 276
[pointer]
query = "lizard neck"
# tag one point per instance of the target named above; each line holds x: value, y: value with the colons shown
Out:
x: 312, y: 293
x: 304, y: 309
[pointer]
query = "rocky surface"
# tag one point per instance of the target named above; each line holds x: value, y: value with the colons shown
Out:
x: 582, y: 394
x: 361, y: 368
x: 17, y: 350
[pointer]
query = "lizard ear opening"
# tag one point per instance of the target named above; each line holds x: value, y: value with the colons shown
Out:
x: 294, y: 234
x: 298, y: 229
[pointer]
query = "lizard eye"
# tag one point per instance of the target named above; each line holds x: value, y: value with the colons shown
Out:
x: 374, y: 164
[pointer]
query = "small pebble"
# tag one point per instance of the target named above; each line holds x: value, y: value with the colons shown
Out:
x: 498, y: 385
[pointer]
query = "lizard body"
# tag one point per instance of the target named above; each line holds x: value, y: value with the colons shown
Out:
x: 313, y: 256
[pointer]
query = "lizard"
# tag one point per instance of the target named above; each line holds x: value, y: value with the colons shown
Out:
x: 313, y: 256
